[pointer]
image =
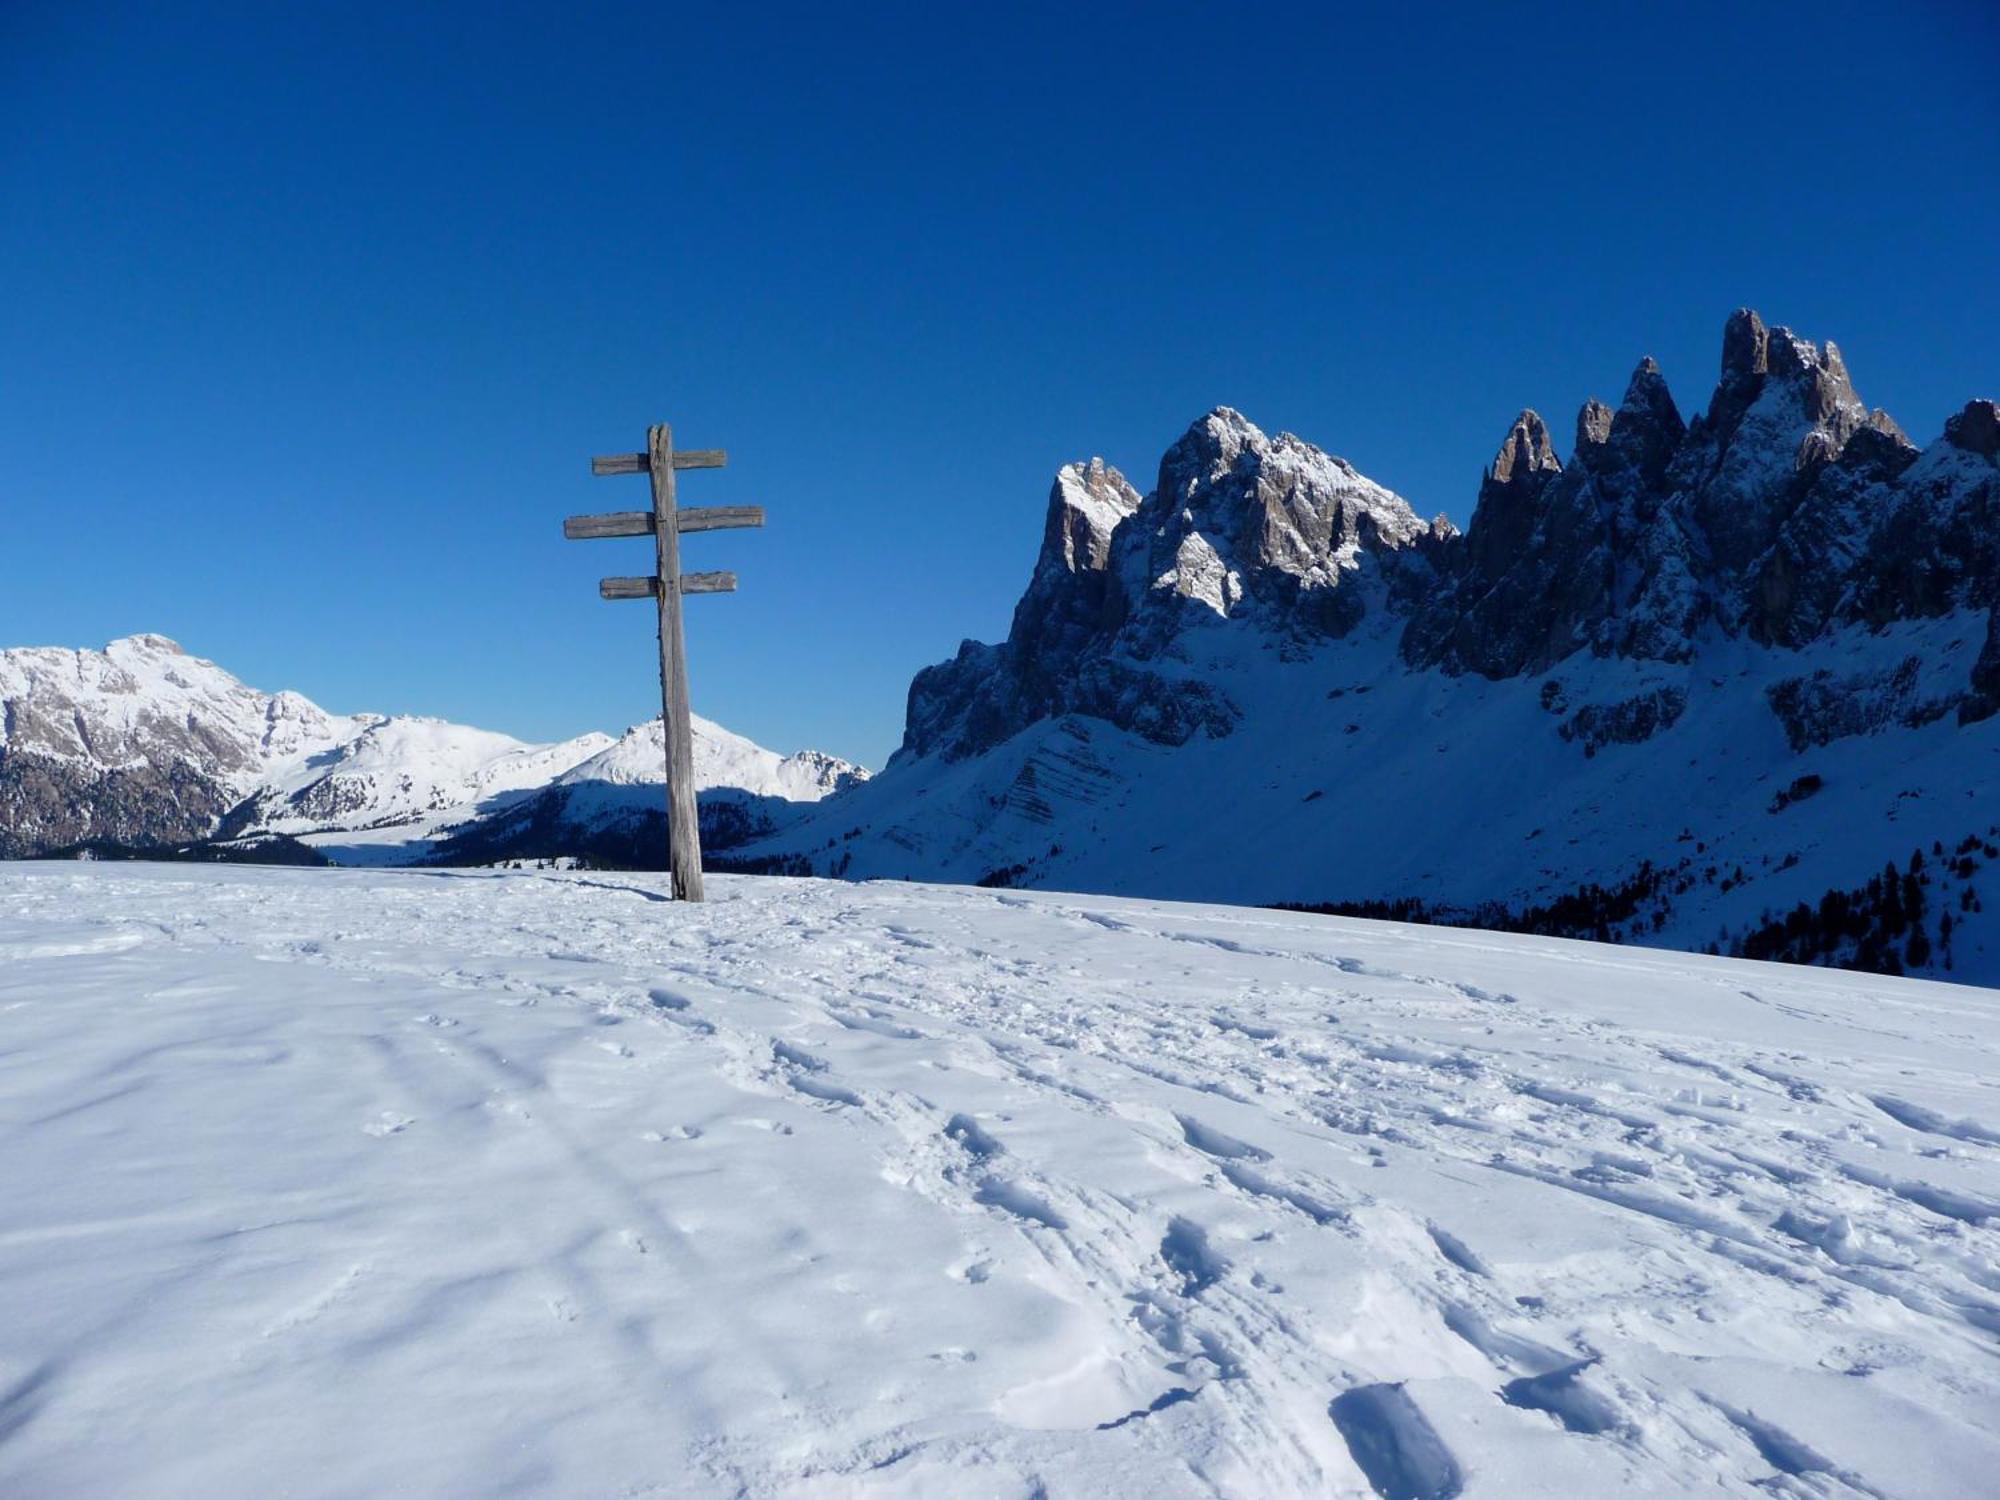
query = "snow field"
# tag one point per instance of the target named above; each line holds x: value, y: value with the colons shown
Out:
x: 330, y: 1183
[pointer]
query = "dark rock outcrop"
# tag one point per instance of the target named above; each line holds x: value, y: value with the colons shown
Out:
x: 49, y: 803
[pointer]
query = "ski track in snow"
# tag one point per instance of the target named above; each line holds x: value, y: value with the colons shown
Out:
x: 342, y: 1183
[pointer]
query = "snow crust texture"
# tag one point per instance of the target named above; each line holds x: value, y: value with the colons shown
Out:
x: 329, y: 1183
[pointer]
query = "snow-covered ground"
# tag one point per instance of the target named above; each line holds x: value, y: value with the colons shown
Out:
x: 357, y: 1183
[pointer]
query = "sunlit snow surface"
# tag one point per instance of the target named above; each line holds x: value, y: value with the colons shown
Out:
x: 354, y: 1184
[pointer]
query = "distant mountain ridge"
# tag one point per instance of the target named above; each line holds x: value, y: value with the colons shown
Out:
x: 1699, y: 674
x: 142, y: 745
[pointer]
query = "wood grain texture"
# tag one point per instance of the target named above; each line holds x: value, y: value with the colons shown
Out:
x: 708, y: 583
x: 683, y: 829
x: 617, y: 523
x: 640, y: 522
x: 720, y: 517
x: 627, y: 588
x: 640, y: 463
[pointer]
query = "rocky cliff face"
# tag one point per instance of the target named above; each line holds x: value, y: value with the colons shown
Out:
x: 1269, y: 679
x: 1784, y: 510
x: 1241, y: 530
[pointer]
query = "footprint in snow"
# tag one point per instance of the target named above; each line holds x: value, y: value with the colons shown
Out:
x: 805, y: 1073
x: 1012, y: 1198
x: 881, y: 1023
x: 973, y: 1138
x: 1394, y: 1444
x: 1212, y: 1142
x: 1186, y: 1252
x: 388, y: 1123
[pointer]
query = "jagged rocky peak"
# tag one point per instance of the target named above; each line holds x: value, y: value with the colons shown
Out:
x: 1783, y: 411
x: 1745, y: 345
x: 1880, y: 421
x: 1264, y: 533
x: 1976, y: 429
x: 1625, y: 452
x: 1510, y: 496
x: 1086, y: 503
x: 1065, y: 599
x: 1593, y: 428
x: 1526, y: 454
x: 1210, y: 447
x: 1814, y: 377
x: 1237, y: 512
x: 1648, y: 426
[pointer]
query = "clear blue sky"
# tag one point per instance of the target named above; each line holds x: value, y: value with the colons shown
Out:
x: 313, y: 313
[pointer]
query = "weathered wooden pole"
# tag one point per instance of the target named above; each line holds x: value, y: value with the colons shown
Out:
x: 683, y: 829
x: 667, y: 521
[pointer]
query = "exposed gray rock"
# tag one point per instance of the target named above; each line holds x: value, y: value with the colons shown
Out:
x: 1976, y: 429
x: 48, y: 803
x: 1797, y: 586
x: 1786, y: 509
x: 1242, y: 531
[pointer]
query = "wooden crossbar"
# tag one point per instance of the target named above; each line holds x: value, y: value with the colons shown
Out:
x: 638, y: 463
x: 640, y: 522
x: 649, y: 588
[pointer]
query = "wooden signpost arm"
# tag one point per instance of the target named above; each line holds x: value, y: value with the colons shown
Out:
x: 683, y: 831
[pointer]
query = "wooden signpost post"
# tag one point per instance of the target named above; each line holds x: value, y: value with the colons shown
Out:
x: 666, y: 521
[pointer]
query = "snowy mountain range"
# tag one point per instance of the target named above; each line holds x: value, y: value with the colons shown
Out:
x: 1724, y: 681
x: 143, y: 746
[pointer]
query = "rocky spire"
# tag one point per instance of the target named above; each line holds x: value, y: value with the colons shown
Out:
x: 1510, y: 495
x: 1526, y: 454
x: 1648, y: 426
x: 1745, y: 344
x: 1593, y: 429
x: 1746, y: 359
x: 1086, y: 503
x: 1066, y: 595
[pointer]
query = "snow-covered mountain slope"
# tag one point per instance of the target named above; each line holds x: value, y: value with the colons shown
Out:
x: 611, y: 808
x: 721, y: 759
x: 541, y: 1184
x: 406, y: 777
x: 1698, y: 677
x: 141, y: 744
